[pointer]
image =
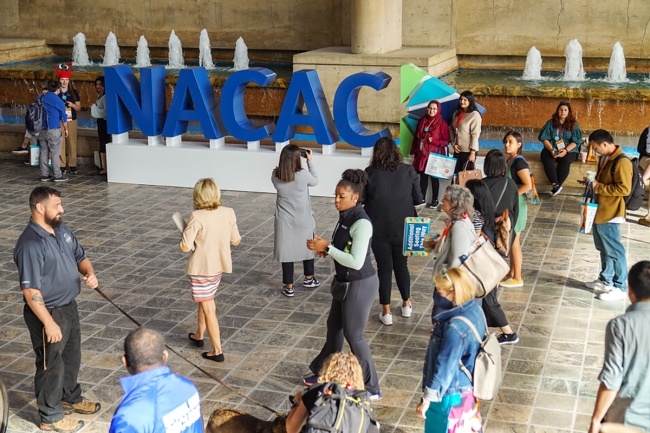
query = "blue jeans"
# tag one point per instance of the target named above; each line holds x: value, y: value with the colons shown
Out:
x: 607, y: 239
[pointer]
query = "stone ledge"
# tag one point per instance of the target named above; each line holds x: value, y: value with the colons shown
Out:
x: 423, y: 57
x: 19, y: 43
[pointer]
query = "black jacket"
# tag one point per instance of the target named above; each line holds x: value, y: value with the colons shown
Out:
x: 642, y: 146
x: 389, y: 198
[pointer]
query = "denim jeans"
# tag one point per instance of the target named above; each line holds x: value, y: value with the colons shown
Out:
x: 613, y: 263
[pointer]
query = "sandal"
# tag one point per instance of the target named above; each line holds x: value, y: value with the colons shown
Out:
x: 197, y: 342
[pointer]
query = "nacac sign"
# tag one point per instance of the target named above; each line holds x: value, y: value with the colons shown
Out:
x: 194, y: 100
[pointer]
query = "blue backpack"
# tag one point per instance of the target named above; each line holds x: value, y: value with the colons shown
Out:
x: 35, y: 116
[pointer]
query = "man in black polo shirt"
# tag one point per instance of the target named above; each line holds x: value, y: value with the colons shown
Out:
x: 49, y: 260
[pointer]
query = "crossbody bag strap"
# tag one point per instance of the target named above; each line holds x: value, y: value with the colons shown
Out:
x: 505, y: 185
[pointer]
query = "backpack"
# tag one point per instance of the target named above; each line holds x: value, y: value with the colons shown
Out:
x: 35, y: 116
x: 487, y: 367
x: 339, y: 410
x: 635, y: 199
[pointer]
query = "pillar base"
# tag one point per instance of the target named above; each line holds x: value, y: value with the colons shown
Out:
x: 336, y: 63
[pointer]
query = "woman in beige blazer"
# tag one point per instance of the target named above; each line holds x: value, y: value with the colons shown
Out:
x: 464, y: 131
x: 211, y: 229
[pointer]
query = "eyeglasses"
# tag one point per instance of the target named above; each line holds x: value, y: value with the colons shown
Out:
x: 432, y: 108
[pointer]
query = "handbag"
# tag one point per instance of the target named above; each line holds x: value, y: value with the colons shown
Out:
x: 487, y: 366
x: 485, y: 267
x: 339, y: 289
x: 463, y: 176
x: 589, y: 209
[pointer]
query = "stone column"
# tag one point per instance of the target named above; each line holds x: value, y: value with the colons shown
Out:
x: 376, y: 26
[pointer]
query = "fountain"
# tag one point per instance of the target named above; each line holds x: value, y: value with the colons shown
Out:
x: 616, y: 72
x: 79, y: 51
x: 533, y: 70
x: 205, y: 55
x: 175, y: 52
x: 112, y: 51
x: 142, y: 59
x: 241, y: 55
x: 573, y: 70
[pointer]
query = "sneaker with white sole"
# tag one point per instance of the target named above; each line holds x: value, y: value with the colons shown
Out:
x: 287, y: 291
x: 386, y: 319
x: 310, y: 282
x: 375, y: 396
x: 615, y: 294
x: 511, y: 282
x: 407, y: 310
x: 556, y: 190
x: 598, y: 286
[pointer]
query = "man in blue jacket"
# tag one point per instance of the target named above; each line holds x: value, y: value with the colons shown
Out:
x: 51, y: 136
x: 155, y: 399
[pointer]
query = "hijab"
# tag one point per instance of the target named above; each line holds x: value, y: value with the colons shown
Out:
x: 426, y: 121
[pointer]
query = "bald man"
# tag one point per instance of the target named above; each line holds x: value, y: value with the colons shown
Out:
x: 155, y: 399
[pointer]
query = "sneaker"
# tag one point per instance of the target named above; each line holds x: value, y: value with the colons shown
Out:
x: 644, y: 222
x: 73, y: 170
x: 615, y: 294
x: 386, y: 319
x: 556, y: 190
x: 508, y: 338
x: 286, y: 291
x: 406, y: 311
x: 84, y: 407
x: 433, y: 205
x: 598, y: 285
x: 20, y: 151
x: 66, y: 424
x: 27, y: 162
x: 420, y: 206
x: 63, y: 178
x: 63, y: 171
x: 375, y: 396
x: 46, y: 178
x: 310, y: 380
x: 311, y: 282
x: 511, y: 282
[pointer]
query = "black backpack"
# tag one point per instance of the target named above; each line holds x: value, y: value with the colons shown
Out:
x: 339, y: 409
x: 35, y: 117
x: 635, y: 199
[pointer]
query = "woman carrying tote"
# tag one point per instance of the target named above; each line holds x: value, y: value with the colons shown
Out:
x: 448, y: 403
x: 431, y: 136
x: 465, y: 130
x: 294, y: 219
x: 350, y: 249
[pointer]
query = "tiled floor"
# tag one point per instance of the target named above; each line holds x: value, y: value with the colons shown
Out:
x: 268, y: 339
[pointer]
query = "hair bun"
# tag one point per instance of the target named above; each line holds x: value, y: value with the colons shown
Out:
x: 356, y: 176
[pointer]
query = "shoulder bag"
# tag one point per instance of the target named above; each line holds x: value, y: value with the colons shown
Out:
x: 465, y: 175
x: 485, y: 267
x: 487, y: 367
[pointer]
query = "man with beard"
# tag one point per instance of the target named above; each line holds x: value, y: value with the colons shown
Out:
x: 49, y: 260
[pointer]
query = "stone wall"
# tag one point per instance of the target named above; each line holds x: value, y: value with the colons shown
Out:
x: 511, y: 27
x: 274, y: 25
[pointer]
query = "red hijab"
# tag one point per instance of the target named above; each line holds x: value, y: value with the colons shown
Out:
x: 426, y: 121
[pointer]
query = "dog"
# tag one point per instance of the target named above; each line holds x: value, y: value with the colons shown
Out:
x: 236, y: 421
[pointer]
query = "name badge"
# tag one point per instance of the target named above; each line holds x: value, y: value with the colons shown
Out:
x: 68, y: 113
x: 560, y: 144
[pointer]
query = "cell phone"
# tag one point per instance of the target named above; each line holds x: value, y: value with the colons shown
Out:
x: 582, y: 182
x: 303, y: 152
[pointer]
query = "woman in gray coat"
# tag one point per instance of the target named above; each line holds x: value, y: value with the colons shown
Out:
x: 294, y: 219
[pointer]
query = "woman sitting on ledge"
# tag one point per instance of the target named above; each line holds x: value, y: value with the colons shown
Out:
x: 561, y: 137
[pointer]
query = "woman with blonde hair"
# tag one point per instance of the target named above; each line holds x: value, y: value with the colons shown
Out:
x: 341, y: 368
x: 448, y: 403
x: 211, y: 229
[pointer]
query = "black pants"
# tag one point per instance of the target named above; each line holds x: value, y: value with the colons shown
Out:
x: 58, y: 382
x: 103, y: 135
x: 461, y: 159
x: 557, y: 169
x: 494, y: 314
x: 424, y: 185
x: 389, y: 257
x: 348, y: 320
x: 287, y: 270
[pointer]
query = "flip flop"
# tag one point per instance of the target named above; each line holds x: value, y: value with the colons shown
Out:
x: 216, y: 358
x: 197, y: 343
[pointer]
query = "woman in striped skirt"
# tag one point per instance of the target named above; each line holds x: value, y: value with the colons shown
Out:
x: 211, y: 229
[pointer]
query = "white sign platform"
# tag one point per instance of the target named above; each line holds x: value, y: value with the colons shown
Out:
x: 235, y: 167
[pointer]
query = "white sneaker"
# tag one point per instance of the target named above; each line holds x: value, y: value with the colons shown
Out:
x: 386, y: 319
x: 615, y: 294
x: 406, y: 311
x: 598, y: 285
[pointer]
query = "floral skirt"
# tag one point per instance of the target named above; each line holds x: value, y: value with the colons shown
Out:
x: 456, y: 413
